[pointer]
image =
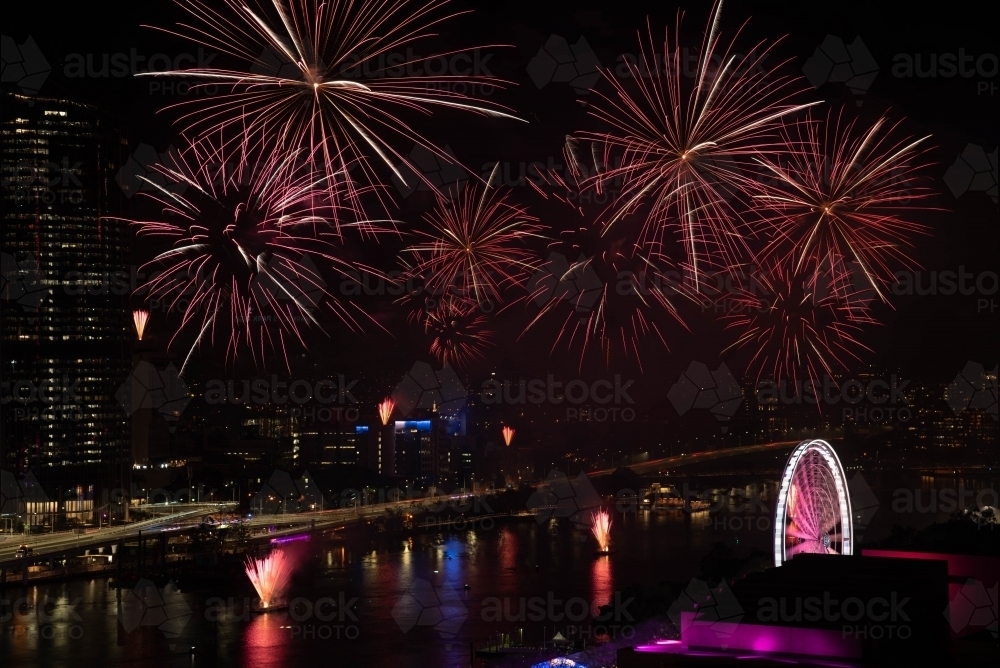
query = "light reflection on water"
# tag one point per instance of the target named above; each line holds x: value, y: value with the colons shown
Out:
x: 80, y: 625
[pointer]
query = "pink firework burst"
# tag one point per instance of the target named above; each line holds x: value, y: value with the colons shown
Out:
x: 799, y: 325
x: 385, y: 409
x: 609, y: 292
x: 270, y: 576
x: 600, y: 526
x: 677, y: 140
x: 841, y: 197
x: 458, y: 329
x: 475, y: 247
x: 249, y: 233
x: 323, y: 75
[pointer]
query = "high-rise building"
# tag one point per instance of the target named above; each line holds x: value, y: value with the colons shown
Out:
x: 65, y: 329
x: 414, y: 456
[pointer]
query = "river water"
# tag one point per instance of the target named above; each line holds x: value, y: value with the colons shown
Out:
x: 400, y: 600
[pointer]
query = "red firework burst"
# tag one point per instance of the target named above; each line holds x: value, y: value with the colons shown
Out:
x: 475, y: 246
x: 797, y: 326
x: 248, y: 233
x: 614, y: 294
x: 678, y: 139
x: 840, y: 197
x: 459, y: 331
x: 320, y: 75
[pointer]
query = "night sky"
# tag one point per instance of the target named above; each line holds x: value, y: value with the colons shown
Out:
x: 927, y: 337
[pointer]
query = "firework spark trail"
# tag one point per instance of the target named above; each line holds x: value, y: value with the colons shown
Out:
x: 270, y: 576
x: 140, y: 317
x: 247, y: 233
x: 508, y: 435
x: 839, y: 196
x: 601, y: 528
x: 797, y: 329
x: 458, y: 328
x: 475, y: 247
x: 617, y: 292
x: 679, y: 144
x: 312, y: 96
x: 385, y: 408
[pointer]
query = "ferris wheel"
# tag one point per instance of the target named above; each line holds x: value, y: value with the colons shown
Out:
x: 814, y: 509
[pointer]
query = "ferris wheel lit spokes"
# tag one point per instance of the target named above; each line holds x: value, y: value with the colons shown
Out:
x: 816, y: 517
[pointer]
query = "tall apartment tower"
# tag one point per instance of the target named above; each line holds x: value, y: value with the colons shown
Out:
x: 65, y: 328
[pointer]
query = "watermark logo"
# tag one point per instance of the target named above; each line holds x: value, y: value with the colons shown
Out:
x: 334, y: 396
x: 869, y: 400
x: 24, y: 65
x: 426, y: 605
x: 974, y: 608
x: 716, y: 390
x: 947, y: 501
x: 715, y: 606
x: 139, y: 173
x: 559, y: 62
x: 860, y: 618
x: 121, y: 65
x: 424, y: 388
x: 443, y: 174
x: 578, y: 393
x: 563, y: 497
x: 974, y: 170
x: 836, y: 62
x: 21, y: 282
x: 60, y: 399
x: 864, y: 504
x: 551, y: 609
x: 556, y: 280
x: 973, y: 387
x: 148, y: 387
x: 41, y: 618
x: 148, y: 605
x: 947, y: 66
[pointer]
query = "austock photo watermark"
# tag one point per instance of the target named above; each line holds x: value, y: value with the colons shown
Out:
x: 46, y: 400
x: 603, y: 400
x: 980, y: 69
x: 851, y: 63
x: 121, y: 65
x: 446, y: 610
x: 328, y: 400
x: 859, y: 618
x: 330, y: 617
x: 859, y: 400
x: 46, y: 618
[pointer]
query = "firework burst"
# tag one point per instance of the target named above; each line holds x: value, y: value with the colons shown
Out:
x: 614, y: 294
x: 475, y: 247
x: 247, y: 234
x: 322, y: 75
x: 798, y: 326
x: 600, y: 526
x: 678, y: 138
x: 458, y: 330
x: 508, y: 435
x: 140, y: 317
x: 839, y: 197
x: 385, y: 408
x: 270, y: 577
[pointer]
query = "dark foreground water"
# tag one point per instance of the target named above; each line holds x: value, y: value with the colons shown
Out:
x: 402, y: 600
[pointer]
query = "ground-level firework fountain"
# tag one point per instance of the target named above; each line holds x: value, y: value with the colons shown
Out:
x: 601, y: 528
x: 270, y: 577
